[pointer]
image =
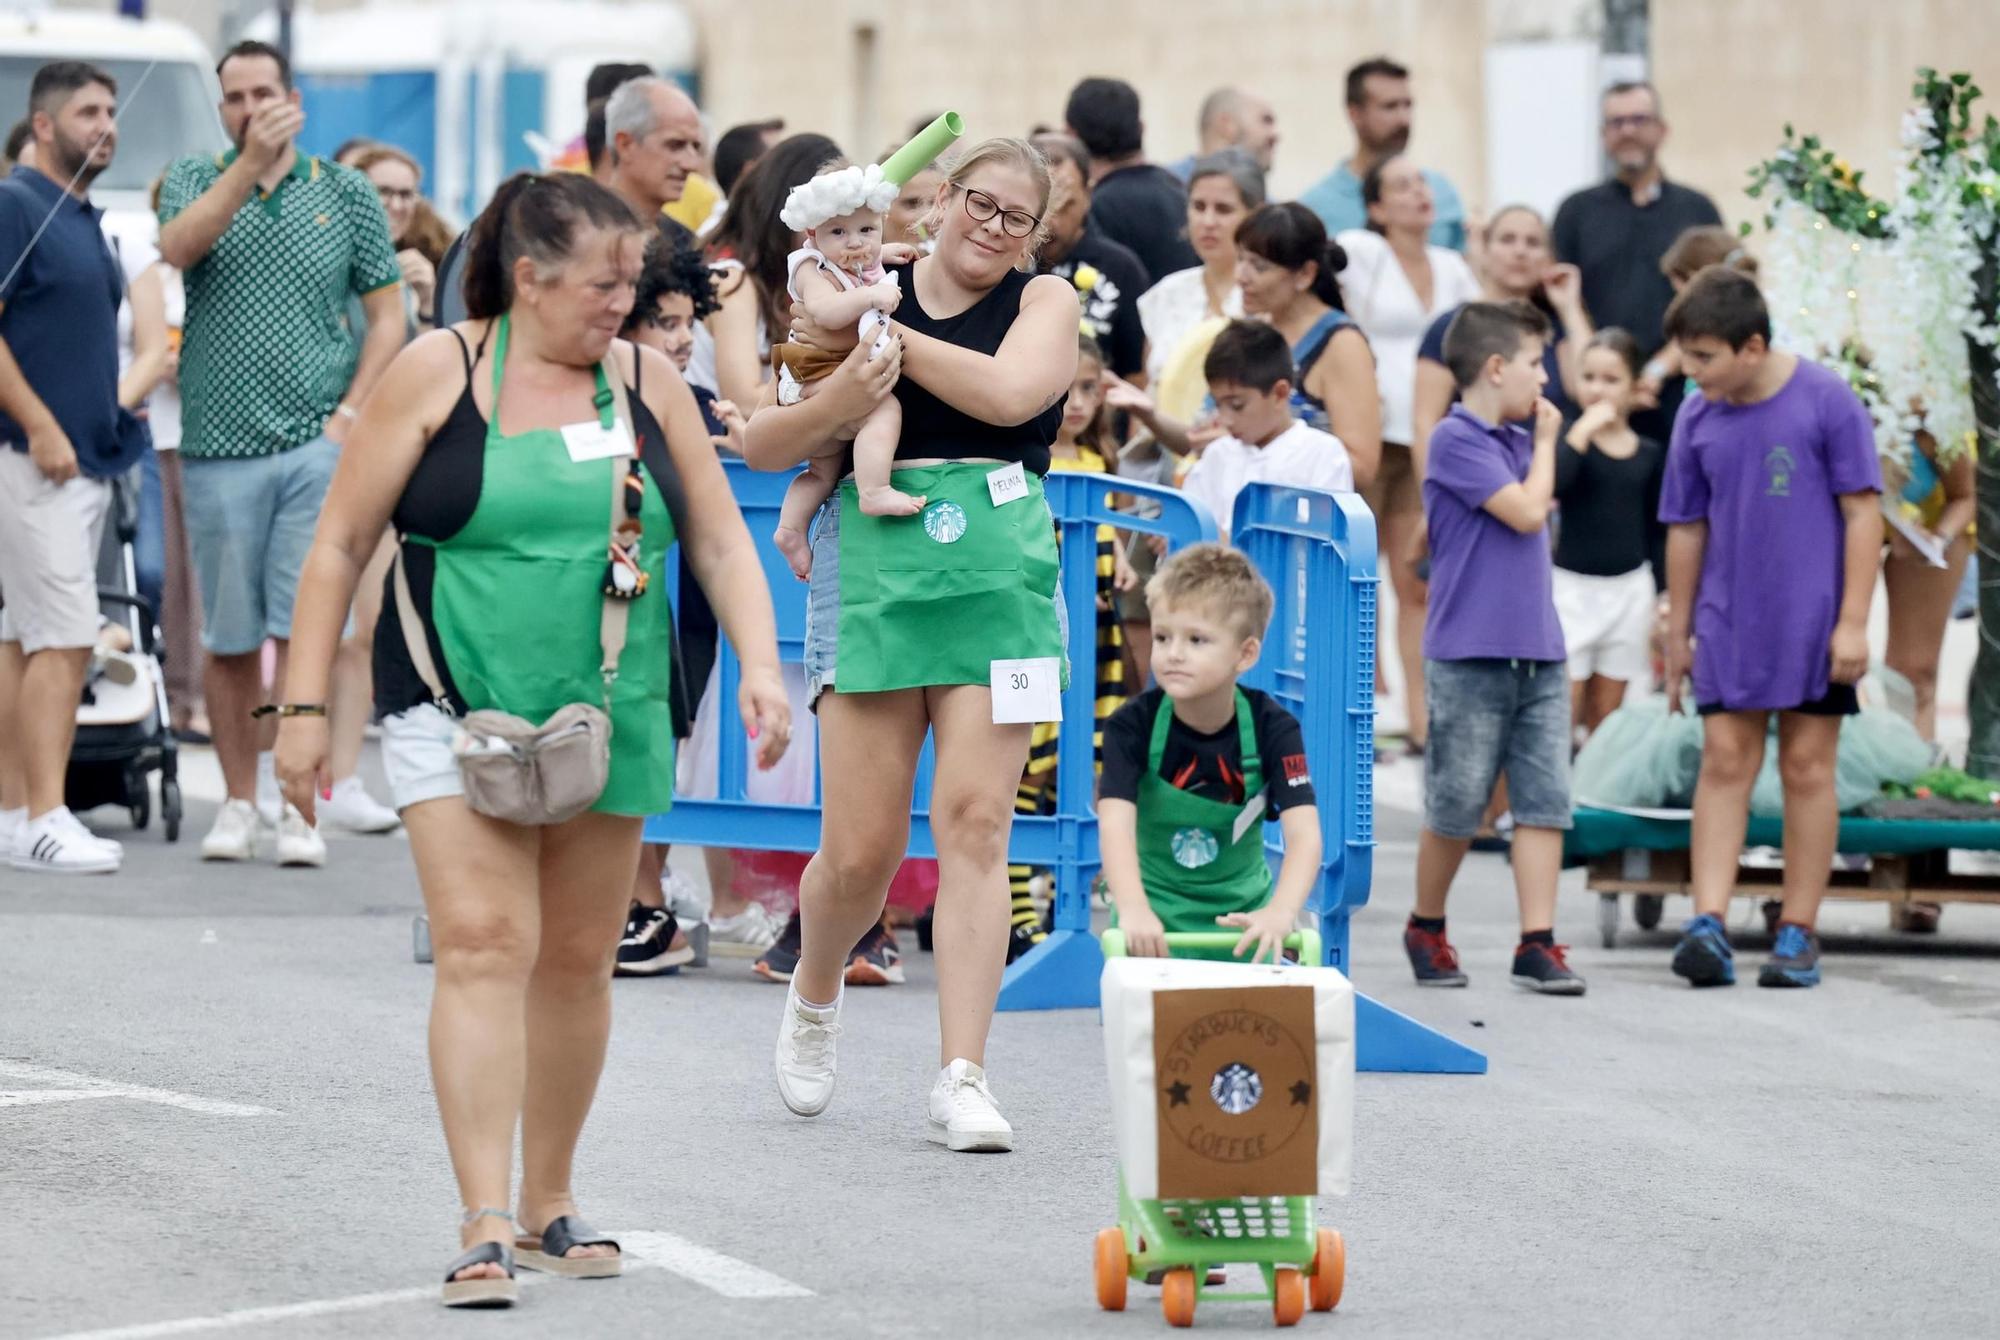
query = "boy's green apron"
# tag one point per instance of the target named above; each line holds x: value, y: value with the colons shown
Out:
x: 1198, y: 858
x: 937, y: 597
x: 518, y: 595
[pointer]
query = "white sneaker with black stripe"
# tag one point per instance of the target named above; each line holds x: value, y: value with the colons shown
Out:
x: 56, y: 844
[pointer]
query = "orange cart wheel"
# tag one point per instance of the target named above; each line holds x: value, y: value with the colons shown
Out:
x: 1113, y: 1269
x: 1177, y: 1297
x: 1329, y: 1270
x: 1288, y: 1296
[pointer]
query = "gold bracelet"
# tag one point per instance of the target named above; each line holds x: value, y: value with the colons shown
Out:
x: 290, y: 710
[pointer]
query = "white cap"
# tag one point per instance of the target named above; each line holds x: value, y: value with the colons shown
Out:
x: 833, y: 194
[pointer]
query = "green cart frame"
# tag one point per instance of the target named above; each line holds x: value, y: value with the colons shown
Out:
x: 1177, y: 1242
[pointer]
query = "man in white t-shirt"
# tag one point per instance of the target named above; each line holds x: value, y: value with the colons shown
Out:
x: 1250, y: 373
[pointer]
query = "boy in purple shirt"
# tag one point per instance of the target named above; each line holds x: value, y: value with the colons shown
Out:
x: 1495, y: 673
x: 1774, y: 534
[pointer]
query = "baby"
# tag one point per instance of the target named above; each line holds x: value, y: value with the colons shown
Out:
x: 838, y: 277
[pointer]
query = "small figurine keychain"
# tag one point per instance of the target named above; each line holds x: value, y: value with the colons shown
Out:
x: 624, y: 576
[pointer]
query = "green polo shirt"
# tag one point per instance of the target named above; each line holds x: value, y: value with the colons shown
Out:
x: 266, y: 353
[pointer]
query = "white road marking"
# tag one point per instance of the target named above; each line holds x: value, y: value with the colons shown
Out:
x: 29, y: 1097
x: 255, y: 1316
x: 74, y: 1085
x: 711, y: 1269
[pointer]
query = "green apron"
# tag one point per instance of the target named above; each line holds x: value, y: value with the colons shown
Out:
x: 936, y: 598
x: 1198, y: 858
x: 518, y: 595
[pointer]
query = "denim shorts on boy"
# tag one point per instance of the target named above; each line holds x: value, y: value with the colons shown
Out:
x: 250, y: 521
x: 1607, y: 623
x: 1489, y: 717
x: 823, y: 604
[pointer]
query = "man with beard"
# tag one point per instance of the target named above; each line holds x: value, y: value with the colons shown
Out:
x: 1380, y: 108
x: 1617, y: 231
x: 61, y: 442
x: 1109, y: 278
x: 272, y: 243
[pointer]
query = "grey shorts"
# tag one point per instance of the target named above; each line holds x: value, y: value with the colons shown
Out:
x: 250, y: 522
x: 822, y: 649
x: 49, y: 538
x: 1490, y: 717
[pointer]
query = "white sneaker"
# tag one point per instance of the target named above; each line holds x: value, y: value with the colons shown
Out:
x: 745, y: 935
x: 352, y: 808
x: 234, y: 836
x: 806, y: 1041
x: 76, y: 826
x: 270, y: 797
x: 56, y: 844
x: 963, y: 1115
x: 299, y: 843
x: 11, y: 824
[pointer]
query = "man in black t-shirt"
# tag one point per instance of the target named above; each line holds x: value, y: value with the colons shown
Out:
x: 1108, y: 277
x: 1137, y: 203
x: 1617, y: 231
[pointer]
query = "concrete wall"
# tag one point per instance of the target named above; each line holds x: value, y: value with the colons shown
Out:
x: 1007, y: 67
x: 1733, y: 74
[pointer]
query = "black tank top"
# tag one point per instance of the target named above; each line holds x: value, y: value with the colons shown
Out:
x: 933, y: 430
x: 442, y: 493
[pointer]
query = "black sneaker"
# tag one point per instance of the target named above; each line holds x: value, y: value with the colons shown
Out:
x: 781, y: 960
x: 1432, y: 958
x: 1542, y: 968
x: 876, y: 961
x: 648, y: 948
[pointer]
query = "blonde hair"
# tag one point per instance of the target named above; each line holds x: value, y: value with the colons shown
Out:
x: 1001, y: 151
x: 1704, y: 245
x: 1219, y: 579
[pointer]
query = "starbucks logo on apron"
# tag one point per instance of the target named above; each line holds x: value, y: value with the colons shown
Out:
x: 944, y: 522
x: 1194, y: 848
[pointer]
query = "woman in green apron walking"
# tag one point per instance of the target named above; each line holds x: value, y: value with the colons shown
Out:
x: 502, y: 449
x: 947, y: 621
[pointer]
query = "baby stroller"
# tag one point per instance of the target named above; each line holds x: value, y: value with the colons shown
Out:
x: 123, y: 731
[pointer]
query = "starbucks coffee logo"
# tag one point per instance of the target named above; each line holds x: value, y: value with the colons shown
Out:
x: 944, y: 522
x: 1194, y: 848
x: 1238, y: 1057
x: 1236, y: 1088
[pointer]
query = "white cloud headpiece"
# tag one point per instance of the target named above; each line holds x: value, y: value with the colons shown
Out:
x: 833, y: 194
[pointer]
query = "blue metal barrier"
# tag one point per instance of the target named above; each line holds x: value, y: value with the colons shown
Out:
x: 1062, y: 971
x: 1317, y: 551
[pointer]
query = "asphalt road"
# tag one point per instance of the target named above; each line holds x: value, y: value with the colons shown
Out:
x: 215, y: 1117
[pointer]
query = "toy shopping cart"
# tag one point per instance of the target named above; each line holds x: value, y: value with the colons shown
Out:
x: 1177, y: 1241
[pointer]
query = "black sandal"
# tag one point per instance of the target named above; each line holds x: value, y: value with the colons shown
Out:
x: 482, y: 1291
x: 550, y: 1250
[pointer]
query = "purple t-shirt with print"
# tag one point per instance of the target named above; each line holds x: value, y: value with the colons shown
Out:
x: 1491, y: 590
x: 1767, y: 478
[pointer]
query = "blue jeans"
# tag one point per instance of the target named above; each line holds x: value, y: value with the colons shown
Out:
x: 1489, y: 717
x: 149, y: 547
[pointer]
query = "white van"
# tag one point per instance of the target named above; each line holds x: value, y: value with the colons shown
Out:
x: 167, y: 94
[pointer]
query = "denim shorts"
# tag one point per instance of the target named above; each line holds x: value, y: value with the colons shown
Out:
x: 1493, y: 716
x: 250, y: 521
x: 822, y: 648
x: 417, y: 757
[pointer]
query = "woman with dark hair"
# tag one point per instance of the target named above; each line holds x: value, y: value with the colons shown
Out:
x: 1222, y: 190
x: 933, y: 624
x: 1395, y: 285
x: 732, y: 353
x: 508, y: 451
x: 1287, y: 271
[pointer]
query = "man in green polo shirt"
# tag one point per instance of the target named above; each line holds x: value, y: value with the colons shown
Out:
x: 272, y: 244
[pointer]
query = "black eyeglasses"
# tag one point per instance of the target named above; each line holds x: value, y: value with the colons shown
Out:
x: 980, y: 207
x: 1637, y: 122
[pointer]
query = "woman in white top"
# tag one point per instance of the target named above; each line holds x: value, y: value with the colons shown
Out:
x: 1396, y: 284
x: 1222, y: 190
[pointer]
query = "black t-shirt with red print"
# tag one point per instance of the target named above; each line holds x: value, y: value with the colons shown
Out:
x: 1209, y: 766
